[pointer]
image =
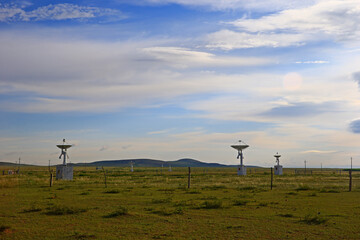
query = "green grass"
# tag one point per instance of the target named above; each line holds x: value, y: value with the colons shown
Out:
x: 146, y: 204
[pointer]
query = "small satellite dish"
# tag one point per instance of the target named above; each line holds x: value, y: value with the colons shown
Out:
x: 240, y: 146
x: 64, y: 146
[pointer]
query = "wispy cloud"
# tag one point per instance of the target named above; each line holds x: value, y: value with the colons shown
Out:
x: 105, y: 76
x: 185, y: 58
x: 326, y: 20
x: 312, y: 62
x: 229, y: 39
x: 319, y: 151
x: 160, y: 131
x: 302, y: 109
x: 56, y: 12
x: 259, y: 5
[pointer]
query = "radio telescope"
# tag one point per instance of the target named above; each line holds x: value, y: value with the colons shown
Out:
x: 240, y: 146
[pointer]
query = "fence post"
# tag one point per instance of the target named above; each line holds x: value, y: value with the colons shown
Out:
x: 51, y: 179
x: 189, y: 177
x: 350, y: 179
x: 271, y: 185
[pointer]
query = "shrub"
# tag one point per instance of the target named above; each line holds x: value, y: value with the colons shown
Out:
x: 112, y: 191
x: 32, y: 209
x: 193, y: 192
x: 3, y: 228
x: 64, y: 210
x: 287, y: 215
x: 82, y: 236
x: 240, y: 202
x: 291, y: 193
x: 212, y: 204
x: 163, y: 200
x: 119, y: 212
x: 312, y: 219
x: 168, y: 211
x: 303, y: 188
x: 214, y: 187
x: 246, y: 188
x: 329, y: 191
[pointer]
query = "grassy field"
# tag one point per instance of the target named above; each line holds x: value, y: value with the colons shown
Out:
x: 150, y: 204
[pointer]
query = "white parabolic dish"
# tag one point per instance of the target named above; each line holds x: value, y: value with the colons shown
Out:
x: 239, y: 146
x: 64, y: 146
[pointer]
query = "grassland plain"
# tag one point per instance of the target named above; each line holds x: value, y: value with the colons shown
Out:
x: 153, y: 204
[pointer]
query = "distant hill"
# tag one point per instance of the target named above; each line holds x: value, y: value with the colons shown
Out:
x: 185, y: 162
x: 142, y: 162
x: 13, y: 164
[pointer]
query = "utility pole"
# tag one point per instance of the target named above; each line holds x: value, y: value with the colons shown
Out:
x: 305, y: 166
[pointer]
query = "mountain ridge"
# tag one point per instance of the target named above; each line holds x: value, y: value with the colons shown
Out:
x: 141, y: 162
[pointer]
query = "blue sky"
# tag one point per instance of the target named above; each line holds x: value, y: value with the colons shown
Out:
x: 168, y: 79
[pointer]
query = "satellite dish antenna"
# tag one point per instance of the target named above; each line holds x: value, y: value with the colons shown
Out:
x: 64, y: 171
x: 64, y: 147
x: 278, y: 168
x: 240, y: 146
x: 277, y: 156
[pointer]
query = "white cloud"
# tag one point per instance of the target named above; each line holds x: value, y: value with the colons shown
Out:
x: 319, y: 151
x: 186, y: 58
x: 255, y: 5
x: 228, y: 40
x: 160, y: 131
x: 63, y: 11
x: 9, y: 13
x: 312, y: 62
x: 61, y: 75
x: 326, y: 20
